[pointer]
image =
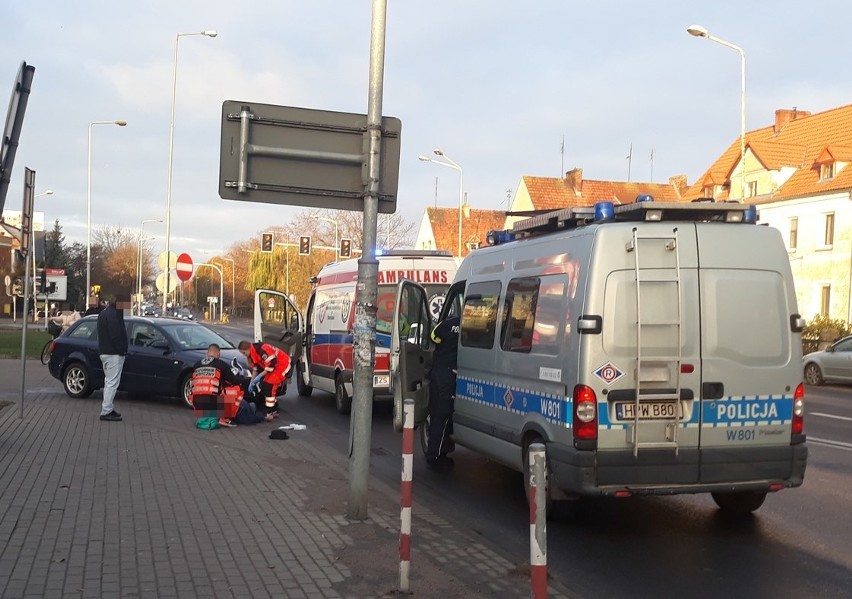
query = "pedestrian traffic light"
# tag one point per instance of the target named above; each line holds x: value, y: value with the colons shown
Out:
x: 266, y: 243
x: 345, y: 248
x: 305, y: 245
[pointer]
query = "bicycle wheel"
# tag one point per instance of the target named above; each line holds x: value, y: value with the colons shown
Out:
x: 45, y: 352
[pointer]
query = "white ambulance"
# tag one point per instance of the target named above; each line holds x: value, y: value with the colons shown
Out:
x: 655, y: 348
x: 325, y: 361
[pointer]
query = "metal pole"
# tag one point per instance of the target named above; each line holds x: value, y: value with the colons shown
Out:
x: 406, y: 494
x: 368, y: 275
x: 29, y: 186
x: 538, y: 521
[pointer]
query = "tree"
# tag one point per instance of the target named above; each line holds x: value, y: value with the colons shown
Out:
x: 55, y: 255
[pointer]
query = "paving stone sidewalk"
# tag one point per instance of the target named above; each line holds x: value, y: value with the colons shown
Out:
x: 153, y: 507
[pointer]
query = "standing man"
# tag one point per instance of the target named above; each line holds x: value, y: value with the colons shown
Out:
x: 270, y: 366
x: 442, y: 392
x: 112, y: 347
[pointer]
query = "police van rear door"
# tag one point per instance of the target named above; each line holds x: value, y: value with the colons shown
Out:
x: 277, y: 321
x: 411, y: 351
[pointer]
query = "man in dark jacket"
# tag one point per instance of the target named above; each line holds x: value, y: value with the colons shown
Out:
x: 112, y: 347
x: 442, y: 392
x: 210, y: 376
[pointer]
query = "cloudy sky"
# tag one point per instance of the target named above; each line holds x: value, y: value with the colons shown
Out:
x: 497, y: 85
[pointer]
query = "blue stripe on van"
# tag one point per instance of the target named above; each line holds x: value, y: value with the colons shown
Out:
x: 554, y: 408
x: 749, y: 411
x: 332, y: 339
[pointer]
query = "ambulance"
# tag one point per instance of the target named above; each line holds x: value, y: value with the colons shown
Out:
x: 654, y: 348
x: 325, y: 360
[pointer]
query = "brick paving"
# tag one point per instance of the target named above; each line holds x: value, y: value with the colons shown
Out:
x: 153, y: 507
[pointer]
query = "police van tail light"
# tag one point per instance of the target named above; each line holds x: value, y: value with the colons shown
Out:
x: 585, y: 413
x: 799, y: 410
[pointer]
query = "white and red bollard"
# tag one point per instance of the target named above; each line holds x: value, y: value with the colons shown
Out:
x: 538, y: 521
x: 405, y: 510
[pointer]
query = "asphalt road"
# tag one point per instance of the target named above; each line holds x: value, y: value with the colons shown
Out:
x: 798, y: 544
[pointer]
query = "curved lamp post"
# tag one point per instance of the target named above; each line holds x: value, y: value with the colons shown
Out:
x: 450, y: 163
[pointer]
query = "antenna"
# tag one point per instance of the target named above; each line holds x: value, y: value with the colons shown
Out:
x: 629, y: 161
x: 562, y: 153
x: 652, y: 165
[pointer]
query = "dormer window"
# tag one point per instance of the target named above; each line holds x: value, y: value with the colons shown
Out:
x: 827, y: 171
x: 708, y: 192
x: 751, y: 189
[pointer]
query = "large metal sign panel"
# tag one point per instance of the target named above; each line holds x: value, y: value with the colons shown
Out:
x: 303, y: 157
x: 13, y: 126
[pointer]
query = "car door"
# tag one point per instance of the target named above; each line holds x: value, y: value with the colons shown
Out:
x: 278, y: 322
x: 837, y: 360
x: 149, y: 366
x: 411, y: 352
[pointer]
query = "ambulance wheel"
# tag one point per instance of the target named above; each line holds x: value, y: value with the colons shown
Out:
x: 813, y: 374
x: 185, y: 390
x: 342, y: 401
x: 741, y: 502
x: 548, y: 503
x: 304, y: 389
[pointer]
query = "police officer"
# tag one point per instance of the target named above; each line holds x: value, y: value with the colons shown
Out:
x: 210, y: 375
x: 442, y: 389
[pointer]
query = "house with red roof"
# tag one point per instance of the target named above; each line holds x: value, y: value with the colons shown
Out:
x: 796, y: 171
x: 439, y: 228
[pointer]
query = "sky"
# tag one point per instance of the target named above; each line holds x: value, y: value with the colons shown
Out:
x: 496, y: 85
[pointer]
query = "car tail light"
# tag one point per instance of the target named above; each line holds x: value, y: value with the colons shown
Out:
x: 799, y: 410
x: 53, y: 346
x: 585, y: 413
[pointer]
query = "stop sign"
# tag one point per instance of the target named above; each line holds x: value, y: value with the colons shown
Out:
x: 183, y: 267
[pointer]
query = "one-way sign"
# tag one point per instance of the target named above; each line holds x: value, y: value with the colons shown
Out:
x: 304, y: 157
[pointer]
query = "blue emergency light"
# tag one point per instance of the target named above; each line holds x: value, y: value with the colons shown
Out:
x: 498, y: 237
x: 750, y: 215
x: 644, y: 197
x: 604, y: 211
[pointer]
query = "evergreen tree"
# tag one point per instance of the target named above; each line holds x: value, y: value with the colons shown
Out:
x: 55, y: 255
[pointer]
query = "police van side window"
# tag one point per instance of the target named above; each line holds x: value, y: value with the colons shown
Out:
x: 549, y: 316
x: 516, y: 334
x: 479, y: 315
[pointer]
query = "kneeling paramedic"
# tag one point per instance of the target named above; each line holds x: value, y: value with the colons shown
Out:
x: 270, y: 366
x: 442, y: 390
x: 210, y: 376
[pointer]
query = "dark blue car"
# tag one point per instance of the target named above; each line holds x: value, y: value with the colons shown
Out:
x: 160, y: 356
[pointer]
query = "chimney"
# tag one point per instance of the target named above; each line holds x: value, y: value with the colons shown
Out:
x: 784, y: 116
x: 679, y: 182
x: 574, y: 178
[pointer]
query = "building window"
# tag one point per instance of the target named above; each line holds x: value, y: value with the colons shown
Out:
x: 828, y: 240
x: 751, y: 189
x: 825, y: 300
x: 708, y: 192
x: 794, y: 233
x: 827, y: 171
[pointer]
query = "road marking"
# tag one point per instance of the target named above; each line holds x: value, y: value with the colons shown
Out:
x: 846, y: 418
x: 830, y: 443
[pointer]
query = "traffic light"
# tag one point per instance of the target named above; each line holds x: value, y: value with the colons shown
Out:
x: 345, y: 248
x: 266, y: 243
x: 43, y: 281
x: 51, y: 288
x: 305, y: 245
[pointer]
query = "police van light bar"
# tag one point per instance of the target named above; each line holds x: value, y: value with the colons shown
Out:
x: 498, y: 237
x: 644, y: 197
x: 604, y: 211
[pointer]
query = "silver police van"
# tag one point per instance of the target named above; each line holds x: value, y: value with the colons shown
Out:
x: 655, y: 348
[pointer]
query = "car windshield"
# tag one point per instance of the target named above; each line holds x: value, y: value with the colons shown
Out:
x: 194, y: 336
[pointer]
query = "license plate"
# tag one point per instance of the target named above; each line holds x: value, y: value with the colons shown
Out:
x: 652, y: 410
x: 381, y: 380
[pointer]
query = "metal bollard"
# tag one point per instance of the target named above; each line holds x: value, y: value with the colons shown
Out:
x: 538, y: 522
x: 405, y: 511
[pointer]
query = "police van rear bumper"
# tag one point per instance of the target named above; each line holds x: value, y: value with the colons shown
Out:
x: 661, y: 472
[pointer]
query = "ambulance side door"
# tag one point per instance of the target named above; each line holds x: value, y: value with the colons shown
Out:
x: 411, y: 352
x: 278, y: 322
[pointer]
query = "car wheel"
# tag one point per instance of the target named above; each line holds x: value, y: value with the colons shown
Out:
x: 77, y: 381
x: 741, y: 502
x: 303, y: 388
x: 548, y: 502
x: 424, y: 433
x: 813, y: 374
x: 341, y: 398
x: 185, y: 390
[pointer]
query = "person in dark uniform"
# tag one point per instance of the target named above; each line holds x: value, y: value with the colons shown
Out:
x: 210, y: 375
x: 442, y: 390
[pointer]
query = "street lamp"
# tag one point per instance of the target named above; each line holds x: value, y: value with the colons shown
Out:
x: 89, y: 207
x: 286, y: 247
x: 171, y: 157
x: 233, y: 274
x: 699, y: 31
x: 139, y: 261
x: 47, y: 192
x: 336, y: 229
x: 450, y: 163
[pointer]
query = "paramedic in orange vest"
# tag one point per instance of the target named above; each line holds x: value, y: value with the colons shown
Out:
x: 210, y: 376
x: 270, y: 366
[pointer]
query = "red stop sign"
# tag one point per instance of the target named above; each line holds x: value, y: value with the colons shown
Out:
x: 183, y: 267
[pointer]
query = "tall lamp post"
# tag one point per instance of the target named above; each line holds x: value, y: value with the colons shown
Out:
x: 336, y: 230
x: 699, y: 31
x: 450, y: 163
x: 168, y: 266
x: 233, y: 286
x: 47, y: 192
x: 89, y: 207
x: 139, y: 261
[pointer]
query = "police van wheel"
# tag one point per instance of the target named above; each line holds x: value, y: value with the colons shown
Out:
x: 304, y: 389
x: 548, y: 504
x: 741, y: 502
x: 185, y: 390
x: 424, y: 434
x: 342, y: 401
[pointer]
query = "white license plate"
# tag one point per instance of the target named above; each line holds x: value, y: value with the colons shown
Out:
x: 651, y: 410
x: 381, y: 380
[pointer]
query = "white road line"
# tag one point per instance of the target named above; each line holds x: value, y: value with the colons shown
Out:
x: 830, y: 443
x: 846, y: 418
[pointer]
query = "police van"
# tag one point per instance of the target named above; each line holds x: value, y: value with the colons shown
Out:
x: 655, y: 348
x: 325, y: 360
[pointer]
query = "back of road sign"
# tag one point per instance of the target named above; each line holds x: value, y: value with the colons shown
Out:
x: 303, y: 157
